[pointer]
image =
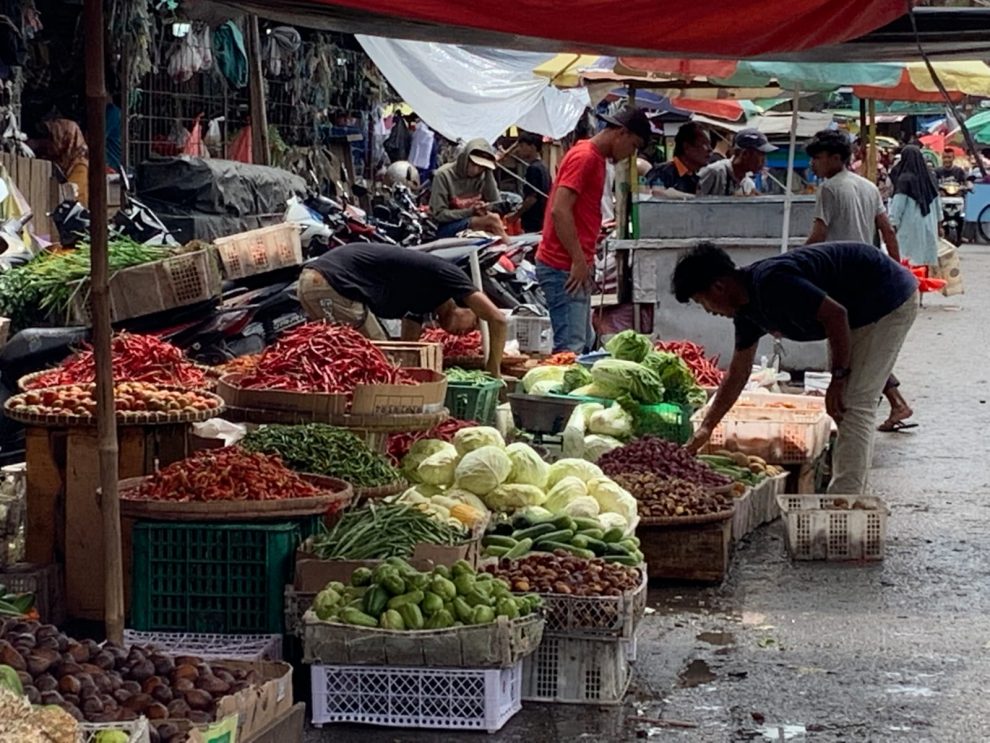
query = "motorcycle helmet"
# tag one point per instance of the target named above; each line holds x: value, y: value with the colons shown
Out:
x: 403, y: 173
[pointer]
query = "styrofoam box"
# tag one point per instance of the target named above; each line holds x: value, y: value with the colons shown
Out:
x: 834, y: 527
x: 578, y: 670
x: 439, y: 698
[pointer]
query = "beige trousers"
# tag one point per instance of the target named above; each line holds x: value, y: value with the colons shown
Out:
x: 321, y: 301
x: 874, y: 351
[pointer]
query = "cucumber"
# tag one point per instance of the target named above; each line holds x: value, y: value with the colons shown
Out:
x: 592, y: 533
x: 564, y: 522
x: 623, y: 560
x: 634, y: 539
x: 561, y: 535
x: 629, y: 544
x: 580, y: 541
x: 524, y: 546
x: 535, y: 531
x: 614, y: 534
x: 595, y: 545
x: 494, y: 551
x: 497, y: 540
x: 583, y: 522
x: 576, y: 551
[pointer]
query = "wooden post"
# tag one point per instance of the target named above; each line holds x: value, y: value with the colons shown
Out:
x: 106, y: 424
x: 785, y: 235
x: 125, y: 97
x: 256, y: 91
x: 871, y: 142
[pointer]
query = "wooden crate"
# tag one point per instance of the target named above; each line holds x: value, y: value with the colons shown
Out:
x: 36, y: 182
x: 694, y: 552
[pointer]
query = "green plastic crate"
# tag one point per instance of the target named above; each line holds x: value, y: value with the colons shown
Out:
x: 207, y: 577
x: 473, y: 402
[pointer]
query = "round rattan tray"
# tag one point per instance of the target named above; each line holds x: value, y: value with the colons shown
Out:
x: 371, y: 423
x: 209, y: 383
x: 129, y: 418
x: 707, y: 518
x: 338, y: 495
x: 383, y: 491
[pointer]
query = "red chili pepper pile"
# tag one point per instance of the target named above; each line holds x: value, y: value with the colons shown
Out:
x: 454, y: 346
x: 705, y: 370
x: 136, y: 358
x: 230, y: 473
x: 399, y: 444
x: 564, y: 358
x: 320, y: 357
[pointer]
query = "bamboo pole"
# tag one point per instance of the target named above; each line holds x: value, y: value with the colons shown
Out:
x: 871, y: 142
x: 106, y: 424
x: 256, y: 91
x: 785, y: 237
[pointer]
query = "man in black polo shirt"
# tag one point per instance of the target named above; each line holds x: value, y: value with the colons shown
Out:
x: 849, y: 293
x: 358, y: 283
x: 679, y: 177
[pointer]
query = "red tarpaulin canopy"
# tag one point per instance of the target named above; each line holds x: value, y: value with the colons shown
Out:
x: 741, y: 28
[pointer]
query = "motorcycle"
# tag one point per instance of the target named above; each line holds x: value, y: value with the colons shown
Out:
x: 326, y: 223
x: 952, y: 196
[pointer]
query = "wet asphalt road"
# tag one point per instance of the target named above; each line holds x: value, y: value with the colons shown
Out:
x: 896, y: 651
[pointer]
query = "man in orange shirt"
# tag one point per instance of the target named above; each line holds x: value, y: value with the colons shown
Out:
x: 565, y: 259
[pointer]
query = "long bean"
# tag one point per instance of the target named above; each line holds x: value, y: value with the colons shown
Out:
x: 380, y: 531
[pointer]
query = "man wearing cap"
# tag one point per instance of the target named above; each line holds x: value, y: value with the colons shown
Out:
x: 678, y: 178
x: 565, y: 259
x: 462, y: 191
x: 725, y: 178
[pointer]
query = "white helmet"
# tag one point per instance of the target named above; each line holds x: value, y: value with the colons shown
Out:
x: 404, y: 173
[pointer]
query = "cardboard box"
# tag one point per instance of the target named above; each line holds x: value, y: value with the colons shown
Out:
x: 368, y: 399
x: 413, y: 355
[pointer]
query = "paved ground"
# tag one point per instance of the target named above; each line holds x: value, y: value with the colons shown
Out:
x: 898, y: 651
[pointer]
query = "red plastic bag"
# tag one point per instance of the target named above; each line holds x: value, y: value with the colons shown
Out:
x: 925, y: 282
x: 240, y: 148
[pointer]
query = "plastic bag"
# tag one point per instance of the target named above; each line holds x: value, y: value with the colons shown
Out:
x: 194, y: 146
x: 577, y: 428
x: 240, y: 149
x: 612, y: 421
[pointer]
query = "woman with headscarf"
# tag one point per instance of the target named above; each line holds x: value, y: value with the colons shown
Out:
x: 68, y: 150
x: 915, y: 209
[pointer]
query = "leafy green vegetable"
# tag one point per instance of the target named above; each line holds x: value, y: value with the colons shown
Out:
x: 576, y: 376
x: 629, y: 377
x: 678, y: 381
x: 629, y: 346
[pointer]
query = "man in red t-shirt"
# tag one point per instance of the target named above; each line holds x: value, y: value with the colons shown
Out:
x: 565, y: 260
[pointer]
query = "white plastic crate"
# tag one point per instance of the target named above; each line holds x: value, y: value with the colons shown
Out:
x: 595, y: 616
x: 777, y: 434
x: 259, y: 251
x: 137, y: 731
x: 578, y: 670
x: 210, y: 647
x: 534, y: 334
x: 440, y: 698
x: 834, y: 527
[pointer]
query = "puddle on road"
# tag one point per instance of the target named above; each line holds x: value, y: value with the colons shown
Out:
x: 717, y: 638
x: 696, y: 673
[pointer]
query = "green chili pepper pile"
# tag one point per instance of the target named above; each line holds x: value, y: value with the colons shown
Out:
x: 319, y: 449
x: 45, y: 286
x: 380, y: 531
x: 395, y: 596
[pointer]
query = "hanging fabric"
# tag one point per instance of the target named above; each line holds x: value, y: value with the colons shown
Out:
x: 281, y: 51
x: 230, y: 54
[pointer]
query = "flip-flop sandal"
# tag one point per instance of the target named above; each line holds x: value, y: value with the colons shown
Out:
x: 895, y: 426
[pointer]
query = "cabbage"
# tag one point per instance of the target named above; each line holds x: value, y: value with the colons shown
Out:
x: 576, y: 376
x: 544, y: 388
x: 612, y: 421
x: 582, y: 506
x: 482, y: 470
x: 629, y: 346
x: 628, y: 376
x: 544, y: 375
x: 610, y: 520
x: 420, y: 451
x: 595, y: 446
x: 613, y: 498
x: 563, y: 493
x: 596, y: 390
x: 469, y: 439
x: 419, y: 494
x: 528, y: 467
x: 578, y: 468
x: 675, y: 375
x: 510, y: 496
x: 438, y: 469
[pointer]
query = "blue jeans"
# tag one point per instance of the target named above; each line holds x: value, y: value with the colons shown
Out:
x: 450, y: 229
x: 570, y: 314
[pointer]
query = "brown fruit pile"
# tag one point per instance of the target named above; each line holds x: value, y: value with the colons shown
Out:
x: 566, y: 574
x: 662, y: 497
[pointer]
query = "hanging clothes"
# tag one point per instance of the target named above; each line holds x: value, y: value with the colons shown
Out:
x: 231, y: 54
x: 281, y: 51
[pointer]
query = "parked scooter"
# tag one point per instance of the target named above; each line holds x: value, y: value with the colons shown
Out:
x: 953, y: 198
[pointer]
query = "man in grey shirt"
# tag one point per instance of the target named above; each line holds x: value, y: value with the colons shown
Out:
x: 850, y: 209
x: 725, y: 177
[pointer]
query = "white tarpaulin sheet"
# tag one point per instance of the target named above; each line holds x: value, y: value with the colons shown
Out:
x: 467, y: 91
